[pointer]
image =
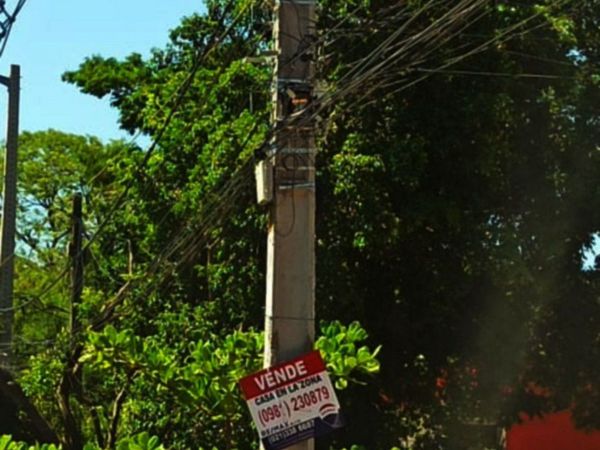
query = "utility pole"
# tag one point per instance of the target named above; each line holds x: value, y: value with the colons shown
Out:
x: 70, y: 382
x: 9, y: 213
x: 286, y: 180
x: 76, y: 262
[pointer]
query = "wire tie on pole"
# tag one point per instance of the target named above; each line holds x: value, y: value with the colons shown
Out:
x: 299, y: 319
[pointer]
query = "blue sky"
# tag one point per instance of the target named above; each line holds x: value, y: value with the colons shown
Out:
x: 51, y: 36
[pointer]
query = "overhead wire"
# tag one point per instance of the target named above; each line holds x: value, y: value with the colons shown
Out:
x: 440, y: 27
x: 175, y: 244
x: 192, y: 244
x: 116, y: 204
x: 378, y: 77
x: 196, y: 236
x: 188, y: 240
x: 216, y: 41
x: 172, y: 247
x: 496, y: 74
x: 363, y: 72
x: 468, y: 3
x: 505, y: 35
x: 472, y: 7
x: 185, y: 244
x: 7, y: 21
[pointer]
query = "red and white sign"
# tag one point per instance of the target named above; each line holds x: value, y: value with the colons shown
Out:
x: 292, y: 401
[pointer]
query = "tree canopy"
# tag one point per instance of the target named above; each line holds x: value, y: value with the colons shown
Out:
x: 458, y: 191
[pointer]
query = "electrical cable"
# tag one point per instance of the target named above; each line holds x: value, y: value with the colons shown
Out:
x: 367, y: 76
x: 181, y: 91
x: 195, y: 244
x: 6, y: 22
x: 190, y: 242
x: 480, y: 3
x: 495, y: 74
x: 118, y: 202
x: 179, y: 240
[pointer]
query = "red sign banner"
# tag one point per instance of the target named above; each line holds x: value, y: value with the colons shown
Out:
x: 292, y: 401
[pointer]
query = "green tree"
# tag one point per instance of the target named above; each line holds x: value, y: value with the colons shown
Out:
x: 458, y: 172
x: 462, y: 207
x: 54, y: 166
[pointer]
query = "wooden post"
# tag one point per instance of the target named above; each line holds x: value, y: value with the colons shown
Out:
x: 290, y: 302
x: 71, y: 380
x: 76, y: 255
x: 9, y: 213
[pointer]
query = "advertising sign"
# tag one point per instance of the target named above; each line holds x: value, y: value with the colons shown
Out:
x: 292, y: 401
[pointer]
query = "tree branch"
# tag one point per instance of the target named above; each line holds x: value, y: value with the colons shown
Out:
x: 116, y: 414
x: 36, y: 424
x: 73, y: 439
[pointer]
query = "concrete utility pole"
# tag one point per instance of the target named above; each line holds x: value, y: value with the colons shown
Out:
x: 286, y: 180
x: 9, y: 212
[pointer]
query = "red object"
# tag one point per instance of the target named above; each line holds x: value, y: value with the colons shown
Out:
x: 551, y: 432
x: 276, y: 377
x: 441, y: 383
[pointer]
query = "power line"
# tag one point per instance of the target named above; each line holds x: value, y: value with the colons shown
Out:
x: 7, y: 19
x: 195, y: 245
x: 391, y: 72
x: 179, y: 97
x: 495, y: 74
x: 161, y: 130
x: 194, y: 235
x: 183, y: 88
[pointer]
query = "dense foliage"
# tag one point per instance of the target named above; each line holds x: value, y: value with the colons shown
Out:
x: 458, y: 174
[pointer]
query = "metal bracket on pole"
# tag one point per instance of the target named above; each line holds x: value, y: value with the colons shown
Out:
x: 300, y: 186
